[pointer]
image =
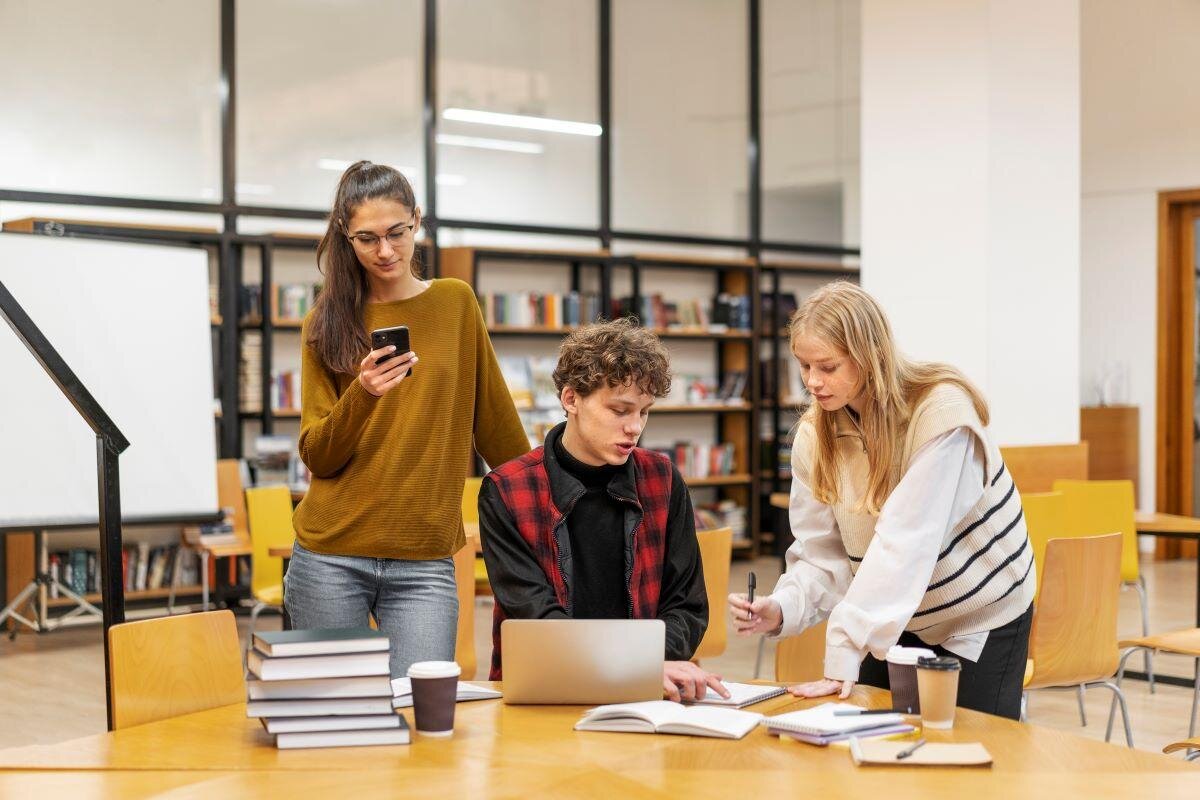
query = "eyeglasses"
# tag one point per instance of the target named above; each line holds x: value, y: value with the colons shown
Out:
x: 369, y: 241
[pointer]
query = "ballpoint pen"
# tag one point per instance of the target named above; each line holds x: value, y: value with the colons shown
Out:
x: 908, y: 751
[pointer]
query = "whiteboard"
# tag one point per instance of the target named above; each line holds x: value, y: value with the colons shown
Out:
x: 132, y: 321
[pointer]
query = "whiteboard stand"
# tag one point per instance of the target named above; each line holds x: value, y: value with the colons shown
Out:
x: 37, y: 593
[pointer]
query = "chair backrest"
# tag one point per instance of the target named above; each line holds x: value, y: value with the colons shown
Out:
x: 169, y: 666
x: 1035, y: 468
x: 716, y: 550
x: 1045, y: 519
x: 1074, y: 635
x: 470, y: 499
x: 464, y: 576
x: 1096, y: 507
x: 801, y: 658
x: 270, y: 514
x: 230, y: 493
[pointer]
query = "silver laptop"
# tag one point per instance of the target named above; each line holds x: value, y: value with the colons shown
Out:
x: 582, y: 661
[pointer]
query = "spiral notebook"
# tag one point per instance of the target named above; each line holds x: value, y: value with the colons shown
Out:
x: 741, y: 695
x: 820, y: 720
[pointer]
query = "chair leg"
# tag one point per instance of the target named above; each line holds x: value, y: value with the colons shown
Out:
x: 762, y: 645
x: 1119, y: 695
x: 254, y: 612
x: 1143, y: 601
x: 1112, y: 709
x: 1024, y: 706
x: 1082, y: 711
x: 1195, y: 696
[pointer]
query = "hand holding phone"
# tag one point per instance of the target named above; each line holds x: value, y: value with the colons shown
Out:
x: 389, y: 362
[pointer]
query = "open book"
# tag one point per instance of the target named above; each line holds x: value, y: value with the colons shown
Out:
x: 663, y: 716
x: 741, y: 695
x: 402, y: 693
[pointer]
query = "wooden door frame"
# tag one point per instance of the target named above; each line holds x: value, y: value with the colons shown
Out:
x: 1177, y: 212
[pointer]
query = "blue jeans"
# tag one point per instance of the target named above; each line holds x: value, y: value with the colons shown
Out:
x: 414, y: 602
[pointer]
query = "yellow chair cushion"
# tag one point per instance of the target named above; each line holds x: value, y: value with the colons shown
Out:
x: 271, y: 595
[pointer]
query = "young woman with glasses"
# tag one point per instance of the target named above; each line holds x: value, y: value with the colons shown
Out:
x: 389, y: 450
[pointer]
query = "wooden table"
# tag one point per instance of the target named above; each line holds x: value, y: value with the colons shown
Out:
x: 1174, y: 526
x: 500, y: 750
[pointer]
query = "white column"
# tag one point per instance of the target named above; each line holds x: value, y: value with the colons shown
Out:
x: 970, y: 184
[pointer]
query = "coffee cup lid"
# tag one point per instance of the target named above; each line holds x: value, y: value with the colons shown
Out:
x: 434, y: 669
x: 907, y: 656
x: 946, y: 663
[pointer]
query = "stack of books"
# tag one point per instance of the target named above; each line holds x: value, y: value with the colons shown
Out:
x: 831, y: 723
x: 323, y: 688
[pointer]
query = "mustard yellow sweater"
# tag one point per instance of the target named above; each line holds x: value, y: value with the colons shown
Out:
x: 388, y: 471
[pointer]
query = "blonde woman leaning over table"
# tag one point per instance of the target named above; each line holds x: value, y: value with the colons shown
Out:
x: 908, y: 527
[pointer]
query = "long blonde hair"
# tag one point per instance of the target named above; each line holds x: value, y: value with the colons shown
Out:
x: 844, y: 317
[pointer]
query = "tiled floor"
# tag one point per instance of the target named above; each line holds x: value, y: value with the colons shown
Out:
x: 53, y: 684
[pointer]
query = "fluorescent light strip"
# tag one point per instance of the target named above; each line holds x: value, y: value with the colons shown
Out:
x: 507, y: 145
x: 520, y: 121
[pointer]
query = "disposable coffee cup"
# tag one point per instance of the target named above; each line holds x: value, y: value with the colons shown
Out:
x: 902, y: 677
x: 434, y: 690
x: 937, y: 684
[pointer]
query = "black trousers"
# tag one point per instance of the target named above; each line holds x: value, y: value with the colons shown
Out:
x: 992, y: 684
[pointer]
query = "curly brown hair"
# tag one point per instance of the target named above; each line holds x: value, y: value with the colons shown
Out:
x: 614, y: 354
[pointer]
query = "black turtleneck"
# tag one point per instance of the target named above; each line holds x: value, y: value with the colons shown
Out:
x: 596, y: 528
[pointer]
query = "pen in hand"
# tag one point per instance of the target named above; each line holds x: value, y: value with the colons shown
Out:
x: 750, y: 597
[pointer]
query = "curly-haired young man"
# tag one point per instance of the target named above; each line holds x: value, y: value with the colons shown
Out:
x: 558, y: 524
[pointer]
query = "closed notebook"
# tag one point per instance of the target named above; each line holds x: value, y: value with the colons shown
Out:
x: 820, y: 720
x: 306, y: 724
x: 741, y: 695
x: 663, y: 716
x: 402, y: 689
x: 319, y: 688
x: 934, y: 754
x: 902, y: 730
x: 347, y: 665
x: 320, y: 642
x: 357, y: 738
x: 317, y: 708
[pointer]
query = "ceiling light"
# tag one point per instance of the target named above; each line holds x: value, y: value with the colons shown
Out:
x: 521, y: 121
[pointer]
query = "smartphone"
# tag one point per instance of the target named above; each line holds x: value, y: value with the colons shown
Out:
x: 398, y: 336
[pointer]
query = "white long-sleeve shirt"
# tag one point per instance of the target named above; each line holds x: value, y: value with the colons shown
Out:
x: 868, y: 610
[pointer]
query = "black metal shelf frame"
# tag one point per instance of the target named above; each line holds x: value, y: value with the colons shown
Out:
x: 229, y: 246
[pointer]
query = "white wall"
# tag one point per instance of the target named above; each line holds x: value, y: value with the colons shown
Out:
x: 970, y: 125
x: 1141, y: 111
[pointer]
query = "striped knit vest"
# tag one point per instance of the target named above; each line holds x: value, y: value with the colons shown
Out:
x: 984, y: 576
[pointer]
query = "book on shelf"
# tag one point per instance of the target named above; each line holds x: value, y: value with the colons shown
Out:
x: 346, y: 665
x: 539, y: 309
x: 329, y: 723
x: 723, y: 313
x: 723, y: 514
x: 272, y: 458
x: 663, y: 716
x: 701, y: 460
x: 142, y: 568
x: 319, y: 641
x: 250, y: 372
x: 787, y: 307
x: 789, y: 389
x: 292, y: 301
x: 291, y: 741
x: 466, y: 692
x: 318, y: 688
x: 285, y: 390
x: 319, y: 707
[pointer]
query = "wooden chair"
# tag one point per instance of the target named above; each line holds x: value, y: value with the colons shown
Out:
x: 801, y: 658
x: 1184, y: 642
x: 1098, y: 507
x: 1191, y: 746
x: 470, y: 515
x: 464, y: 576
x: 270, y: 514
x: 716, y: 551
x: 1035, y: 468
x: 1073, y: 641
x: 169, y: 666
